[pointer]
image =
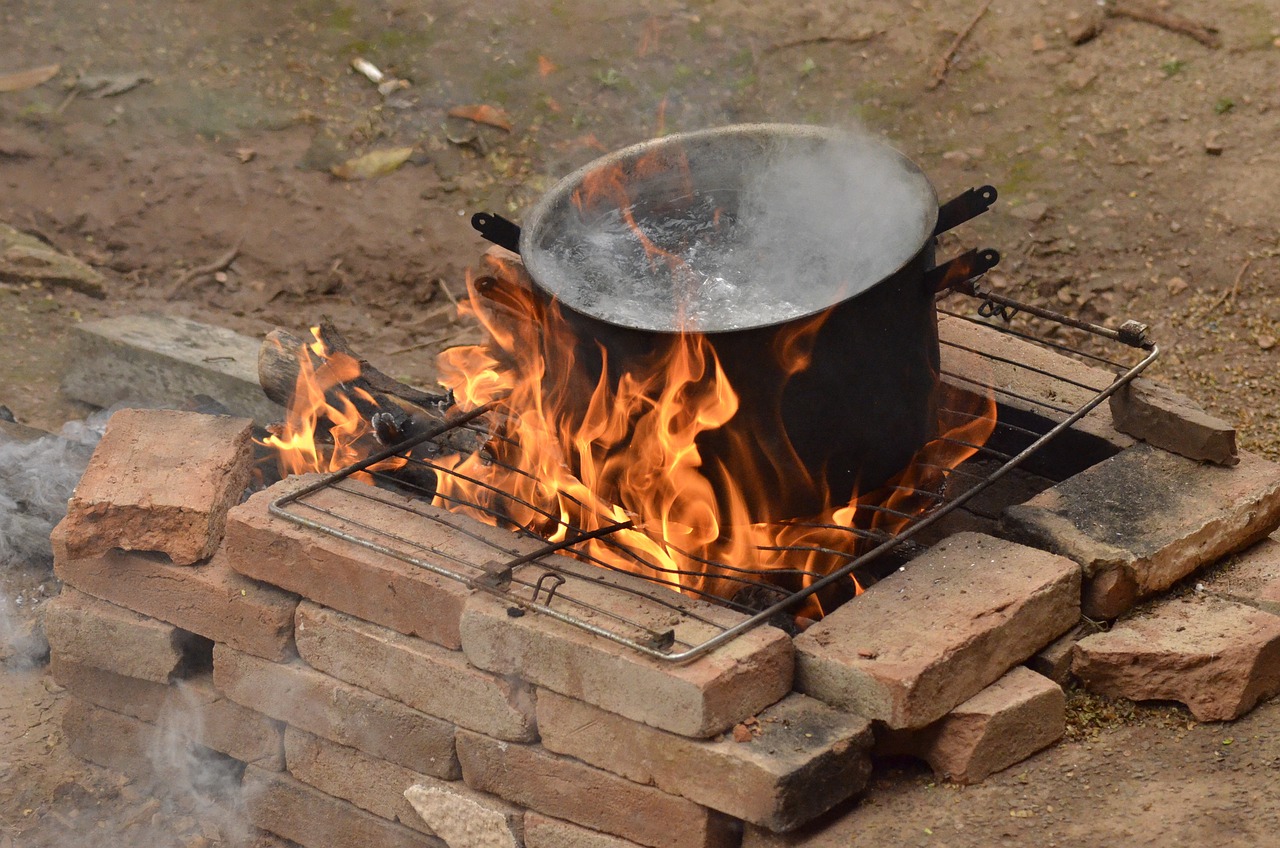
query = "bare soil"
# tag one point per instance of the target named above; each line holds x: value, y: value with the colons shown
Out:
x: 1138, y: 175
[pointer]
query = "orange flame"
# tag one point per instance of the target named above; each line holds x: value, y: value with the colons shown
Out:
x: 322, y: 406
x: 631, y: 451
x: 633, y: 455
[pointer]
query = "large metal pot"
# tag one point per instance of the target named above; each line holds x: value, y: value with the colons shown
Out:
x: 817, y: 229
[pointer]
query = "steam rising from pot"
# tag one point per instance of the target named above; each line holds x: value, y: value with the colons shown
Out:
x: 742, y: 231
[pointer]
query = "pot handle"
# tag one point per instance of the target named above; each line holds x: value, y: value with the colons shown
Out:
x: 964, y: 207
x: 498, y: 230
x: 954, y: 273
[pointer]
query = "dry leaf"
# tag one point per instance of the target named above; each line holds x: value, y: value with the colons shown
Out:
x: 483, y: 113
x: 372, y: 164
x: 546, y: 67
x: 110, y: 85
x: 20, y: 80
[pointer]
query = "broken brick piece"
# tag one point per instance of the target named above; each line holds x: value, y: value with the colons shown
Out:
x: 1013, y: 718
x: 924, y: 640
x: 160, y: 480
x: 1252, y: 577
x: 1161, y: 417
x: 375, y: 785
x: 462, y: 816
x: 801, y: 759
x: 1054, y: 660
x: 1217, y: 657
x: 1146, y: 518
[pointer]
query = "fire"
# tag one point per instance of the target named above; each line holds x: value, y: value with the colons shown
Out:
x: 634, y: 455
x: 320, y: 404
x: 629, y: 454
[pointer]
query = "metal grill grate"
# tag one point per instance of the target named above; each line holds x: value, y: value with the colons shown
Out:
x: 522, y: 568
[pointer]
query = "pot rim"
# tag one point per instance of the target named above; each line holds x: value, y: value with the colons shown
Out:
x: 537, y: 264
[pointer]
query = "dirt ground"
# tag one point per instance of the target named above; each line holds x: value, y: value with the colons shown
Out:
x: 1138, y: 175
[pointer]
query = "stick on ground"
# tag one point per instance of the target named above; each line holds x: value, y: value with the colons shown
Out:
x: 943, y: 64
x: 1149, y: 13
x: 222, y: 263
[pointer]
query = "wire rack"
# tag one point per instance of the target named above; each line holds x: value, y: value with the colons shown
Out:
x: 635, y: 606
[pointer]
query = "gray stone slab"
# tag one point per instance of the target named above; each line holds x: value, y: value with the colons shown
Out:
x: 164, y: 361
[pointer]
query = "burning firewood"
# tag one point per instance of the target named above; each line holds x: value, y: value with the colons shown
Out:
x: 395, y: 411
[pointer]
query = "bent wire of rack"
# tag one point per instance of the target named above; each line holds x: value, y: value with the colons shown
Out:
x: 522, y: 572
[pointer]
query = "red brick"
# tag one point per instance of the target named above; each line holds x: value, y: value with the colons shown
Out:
x: 801, y: 758
x: 210, y: 600
x: 1013, y: 718
x: 85, y: 630
x: 545, y: 832
x: 304, y: 698
x: 1163, y: 418
x: 700, y: 698
x: 160, y: 480
x: 1216, y: 657
x: 110, y: 740
x: 139, y: 750
x: 415, y: 672
x: 1054, y: 660
x: 372, y: 784
x: 921, y: 642
x: 565, y: 788
x: 1252, y: 577
x: 287, y: 808
x: 192, y: 708
x: 1144, y: 519
x: 344, y: 576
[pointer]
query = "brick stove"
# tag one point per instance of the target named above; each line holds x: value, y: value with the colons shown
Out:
x: 366, y: 699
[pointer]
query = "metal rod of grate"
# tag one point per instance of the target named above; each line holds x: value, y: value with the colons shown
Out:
x: 520, y: 568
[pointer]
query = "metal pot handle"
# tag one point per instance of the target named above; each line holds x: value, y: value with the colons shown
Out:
x: 955, y: 273
x: 498, y: 230
x: 965, y: 207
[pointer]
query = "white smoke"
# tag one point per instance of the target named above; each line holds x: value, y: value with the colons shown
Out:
x: 196, y: 780
x: 771, y: 232
x: 36, y: 479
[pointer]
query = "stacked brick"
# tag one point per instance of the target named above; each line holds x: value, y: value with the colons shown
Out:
x: 359, y: 698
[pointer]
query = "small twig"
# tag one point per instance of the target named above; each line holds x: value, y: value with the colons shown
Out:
x: 444, y: 288
x: 856, y: 38
x: 1148, y: 13
x: 1230, y: 294
x: 222, y: 263
x: 943, y: 64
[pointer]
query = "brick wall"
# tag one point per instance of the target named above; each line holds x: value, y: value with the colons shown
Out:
x: 358, y: 699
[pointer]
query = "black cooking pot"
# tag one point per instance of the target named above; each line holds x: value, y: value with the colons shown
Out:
x: 771, y: 241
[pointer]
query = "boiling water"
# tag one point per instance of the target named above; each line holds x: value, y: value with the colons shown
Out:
x: 802, y: 233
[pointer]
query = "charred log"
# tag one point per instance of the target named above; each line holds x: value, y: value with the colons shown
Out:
x: 396, y: 412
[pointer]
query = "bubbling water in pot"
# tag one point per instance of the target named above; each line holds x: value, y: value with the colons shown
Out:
x: 784, y: 234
